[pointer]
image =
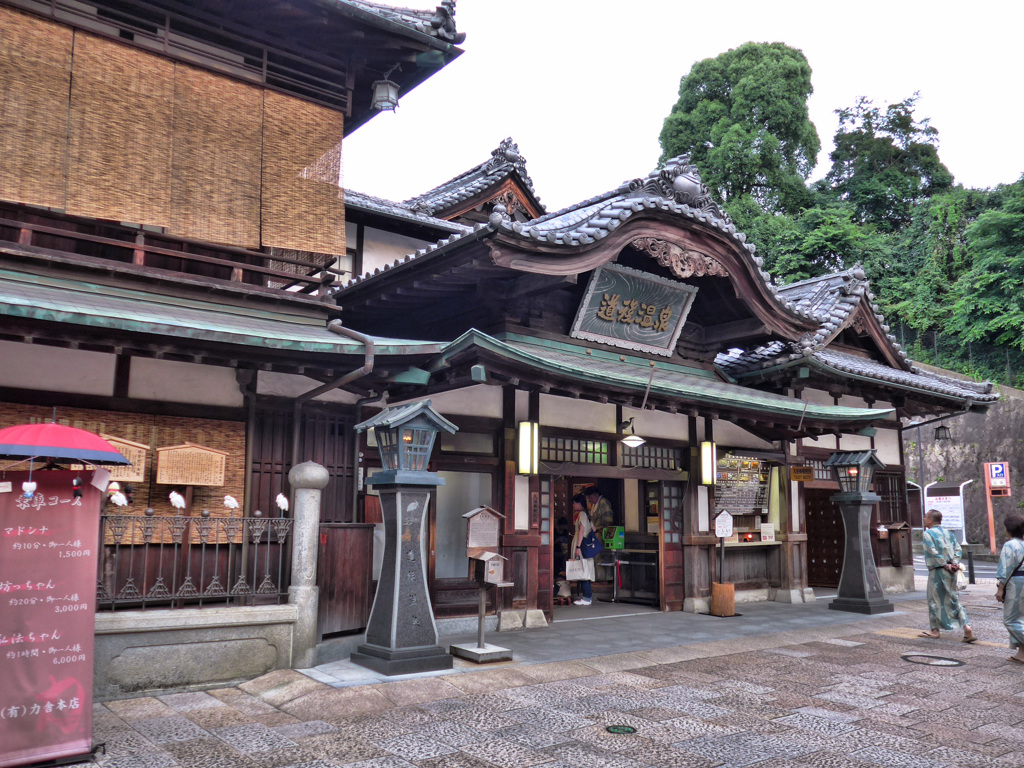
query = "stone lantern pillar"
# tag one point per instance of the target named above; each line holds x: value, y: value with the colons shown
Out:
x: 860, y: 589
x: 401, y: 636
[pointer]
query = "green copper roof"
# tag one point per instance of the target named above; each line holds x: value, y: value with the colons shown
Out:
x: 61, y: 300
x: 668, y: 380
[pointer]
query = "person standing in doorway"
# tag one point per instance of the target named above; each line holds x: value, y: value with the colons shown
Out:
x: 942, y: 557
x: 1010, y: 587
x: 601, y: 517
x: 583, y: 526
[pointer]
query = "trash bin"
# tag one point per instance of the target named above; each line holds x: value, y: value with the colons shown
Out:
x: 899, y: 544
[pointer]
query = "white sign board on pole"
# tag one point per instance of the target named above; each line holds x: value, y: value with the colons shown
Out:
x: 723, y: 525
x: 952, y: 509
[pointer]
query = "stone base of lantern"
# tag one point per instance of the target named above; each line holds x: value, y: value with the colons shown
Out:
x: 407, y: 661
x: 858, y: 605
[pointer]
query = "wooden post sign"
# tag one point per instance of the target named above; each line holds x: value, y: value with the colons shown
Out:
x: 483, y: 530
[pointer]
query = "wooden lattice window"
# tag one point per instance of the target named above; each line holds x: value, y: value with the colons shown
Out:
x: 893, y: 506
x: 652, y: 456
x: 574, y: 450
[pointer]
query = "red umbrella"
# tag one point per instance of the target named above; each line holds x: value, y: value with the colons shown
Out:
x: 55, y: 441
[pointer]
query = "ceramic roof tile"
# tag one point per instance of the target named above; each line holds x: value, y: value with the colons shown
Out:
x: 504, y: 161
x: 438, y: 22
x: 400, y: 211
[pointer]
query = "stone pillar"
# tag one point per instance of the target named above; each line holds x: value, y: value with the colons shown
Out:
x: 308, y: 481
x: 401, y: 637
x: 860, y: 589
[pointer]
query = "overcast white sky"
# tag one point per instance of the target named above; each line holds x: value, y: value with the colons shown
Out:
x: 583, y: 86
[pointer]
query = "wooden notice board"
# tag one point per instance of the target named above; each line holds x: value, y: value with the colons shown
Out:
x: 190, y: 464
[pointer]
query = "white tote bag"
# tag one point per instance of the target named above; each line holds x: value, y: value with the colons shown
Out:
x: 576, y: 570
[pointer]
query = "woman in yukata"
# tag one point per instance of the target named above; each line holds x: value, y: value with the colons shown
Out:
x: 942, y: 556
x: 1010, y: 590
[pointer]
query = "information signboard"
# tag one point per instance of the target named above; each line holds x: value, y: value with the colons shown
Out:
x: 48, y: 555
x: 190, y: 464
x: 952, y: 509
x: 723, y: 525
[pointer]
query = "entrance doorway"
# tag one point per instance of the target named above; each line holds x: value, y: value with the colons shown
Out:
x: 826, y: 539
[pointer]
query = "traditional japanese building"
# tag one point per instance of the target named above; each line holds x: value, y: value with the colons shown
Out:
x: 644, y: 311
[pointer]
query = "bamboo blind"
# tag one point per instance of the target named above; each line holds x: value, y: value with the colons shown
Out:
x: 120, y: 138
x: 302, y: 205
x: 215, y: 169
x: 35, y: 75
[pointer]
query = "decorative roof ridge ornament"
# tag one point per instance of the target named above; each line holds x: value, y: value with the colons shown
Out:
x: 443, y: 23
x: 506, y: 154
x: 677, y: 180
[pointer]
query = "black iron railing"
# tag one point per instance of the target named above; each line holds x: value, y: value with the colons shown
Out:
x: 149, y: 561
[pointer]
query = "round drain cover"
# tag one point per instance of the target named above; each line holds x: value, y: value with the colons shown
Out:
x: 620, y: 729
x: 933, y: 661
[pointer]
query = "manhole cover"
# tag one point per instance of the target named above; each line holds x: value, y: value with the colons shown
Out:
x: 932, y: 661
x: 620, y: 729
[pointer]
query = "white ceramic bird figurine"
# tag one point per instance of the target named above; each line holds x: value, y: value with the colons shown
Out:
x: 231, y: 502
x: 177, y: 500
x: 118, y: 499
x: 282, y: 502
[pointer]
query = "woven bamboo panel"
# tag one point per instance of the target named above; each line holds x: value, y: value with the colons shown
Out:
x: 302, y: 206
x: 215, y: 168
x: 35, y: 76
x: 120, y: 142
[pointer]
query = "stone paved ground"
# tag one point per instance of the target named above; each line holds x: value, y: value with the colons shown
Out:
x: 831, y: 697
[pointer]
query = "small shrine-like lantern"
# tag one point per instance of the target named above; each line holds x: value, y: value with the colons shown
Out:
x: 405, y: 437
x: 854, y: 470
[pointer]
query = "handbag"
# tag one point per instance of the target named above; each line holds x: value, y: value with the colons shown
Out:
x: 576, y: 570
x: 591, y: 545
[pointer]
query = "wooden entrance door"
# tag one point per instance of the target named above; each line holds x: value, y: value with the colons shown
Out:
x: 826, y: 539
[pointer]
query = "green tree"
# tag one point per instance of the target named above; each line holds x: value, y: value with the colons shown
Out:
x: 826, y: 239
x: 990, y: 296
x: 742, y: 117
x: 884, y: 162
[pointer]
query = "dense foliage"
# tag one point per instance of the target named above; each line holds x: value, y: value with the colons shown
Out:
x: 946, y: 263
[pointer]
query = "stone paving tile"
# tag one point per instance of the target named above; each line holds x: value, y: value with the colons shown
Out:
x: 414, y: 747
x: 457, y: 760
x: 207, y: 752
x: 125, y: 743
x: 492, y: 680
x: 189, y: 702
x: 302, y: 730
x: 505, y: 754
x: 417, y: 691
x: 286, y: 758
x: 891, y: 758
x: 163, y: 729
x: 382, y: 762
x: 534, y: 734
x: 281, y: 686
x: 221, y: 716
x: 242, y: 701
x: 254, y: 737
x: 560, y: 670
x: 371, y: 726
x: 334, y: 703
x: 149, y: 760
x: 341, y: 748
x: 454, y: 734
x: 140, y: 709
x: 575, y: 754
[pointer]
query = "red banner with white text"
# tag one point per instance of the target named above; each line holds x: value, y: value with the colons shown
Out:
x: 48, y: 556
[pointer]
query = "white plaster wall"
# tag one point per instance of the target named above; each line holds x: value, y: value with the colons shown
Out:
x: 290, y: 386
x: 729, y: 435
x: 887, y: 441
x: 51, y: 369
x: 854, y: 443
x: 568, y: 413
x: 479, y: 400
x: 668, y: 426
x: 380, y: 248
x: 176, y: 382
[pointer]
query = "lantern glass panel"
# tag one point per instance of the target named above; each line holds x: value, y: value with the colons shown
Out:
x: 417, y: 444
x: 387, y: 443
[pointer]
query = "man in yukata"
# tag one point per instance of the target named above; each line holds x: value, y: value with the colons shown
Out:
x: 942, y: 557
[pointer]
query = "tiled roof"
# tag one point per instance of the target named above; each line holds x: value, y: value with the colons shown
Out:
x: 623, y: 371
x: 504, y: 161
x: 75, y: 302
x: 399, y: 211
x: 439, y: 22
x: 740, y: 364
